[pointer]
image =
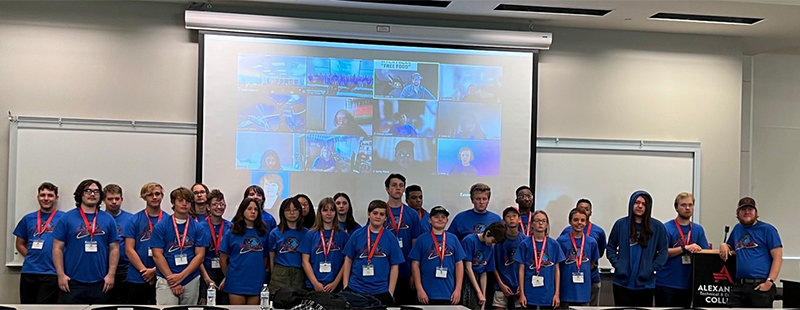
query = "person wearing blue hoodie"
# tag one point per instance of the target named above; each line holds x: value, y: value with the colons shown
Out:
x: 637, y: 248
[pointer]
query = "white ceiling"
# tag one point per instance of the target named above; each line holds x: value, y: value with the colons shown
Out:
x: 778, y: 33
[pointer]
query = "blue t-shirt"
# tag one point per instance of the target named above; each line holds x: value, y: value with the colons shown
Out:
x: 164, y: 237
x: 410, y: 229
x: 504, y: 261
x: 38, y: 261
x: 753, y: 245
x: 321, y: 163
x: 425, y: 252
x: 269, y: 220
x: 599, y: 235
x: 79, y: 265
x: 470, y: 222
x: 246, y: 256
x: 403, y: 130
x: 211, y: 248
x: 425, y: 221
x: 286, y: 246
x: 480, y: 254
x: 543, y: 295
x: 122, y: 219
x: 348, y: 232
x: 387, y: 254
x: 138, y: 229
x: 570, y: 291
x: 200, y: 217
x: 675, y: 274
x: 312, y: 245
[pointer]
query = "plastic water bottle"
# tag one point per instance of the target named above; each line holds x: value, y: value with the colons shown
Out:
x: 211, y: 295
x: 264, y: 304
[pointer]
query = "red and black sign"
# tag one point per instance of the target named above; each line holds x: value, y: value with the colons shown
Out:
x: 712, y: 280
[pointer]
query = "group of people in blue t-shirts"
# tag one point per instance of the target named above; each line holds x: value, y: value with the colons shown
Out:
x: 92, y: 256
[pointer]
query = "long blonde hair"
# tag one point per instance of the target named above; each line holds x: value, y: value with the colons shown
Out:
x: 318, y: 224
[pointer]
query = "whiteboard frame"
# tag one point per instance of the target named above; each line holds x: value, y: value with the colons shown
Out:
x: 692, y: 148
x: 69, y: 124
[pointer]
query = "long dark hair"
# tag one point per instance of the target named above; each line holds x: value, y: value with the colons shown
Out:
x: 647, y: 231
x: 308, y: 220
x: 284, y: 226
x: 349, y: 223
x: 85, y: 185
x: 192, y: 211
x: 239, y: 225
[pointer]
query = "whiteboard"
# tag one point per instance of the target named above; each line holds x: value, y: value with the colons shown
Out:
x: 607, y: 173
x: 67, y: 151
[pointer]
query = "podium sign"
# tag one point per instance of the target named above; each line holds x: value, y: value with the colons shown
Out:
x: 711, y: 279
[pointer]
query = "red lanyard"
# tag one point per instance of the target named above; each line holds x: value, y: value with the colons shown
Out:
x: 39, y: 228
x: 589, y: 229
x: 398, y: 223
x: 217, y: 239
x: 527, y: 231
x: 443, y: 250
x: 688, y: 238
x: 181, y: 239
x: 538, y: 259
x: 327, y: 248
x: 92, y: 228
x: 161, y: 213
x: 370, y: 247
x: 575, y: 246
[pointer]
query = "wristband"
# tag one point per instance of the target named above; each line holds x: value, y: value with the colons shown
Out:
x: 770, y: 280
x: 683, y: 247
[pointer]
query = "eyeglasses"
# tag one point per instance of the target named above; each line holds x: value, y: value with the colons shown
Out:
x: 218, y: 204
x: 539, y: 221
x: 91, y: 191
x: 524, y: 196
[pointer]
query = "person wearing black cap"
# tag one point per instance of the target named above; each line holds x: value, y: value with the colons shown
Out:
x: 436, y: 264
x: 759, y: 255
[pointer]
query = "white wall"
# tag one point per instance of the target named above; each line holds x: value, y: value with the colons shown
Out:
x: 775, y: 148
x: 134, y: 60
x: 632, y: 85
x: 123, y: 60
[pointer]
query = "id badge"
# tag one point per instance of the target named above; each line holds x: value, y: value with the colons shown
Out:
x: 686, y: 259
x: 215, y: 263
x: 537, y: 281
x: 181, y: 260
x: 441, y: 272
x: 367, y: 270
x: 149, y: 252
x: 325, y: 267
x: 577, y: 277
x: 400, y: 242
x: 37, y: 244
x: 90, y: 246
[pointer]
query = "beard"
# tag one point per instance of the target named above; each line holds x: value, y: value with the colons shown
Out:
x: 748, y: 222
x: 688, y: 218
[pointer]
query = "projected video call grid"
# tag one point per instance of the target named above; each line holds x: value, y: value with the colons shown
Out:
x: 327, y: 115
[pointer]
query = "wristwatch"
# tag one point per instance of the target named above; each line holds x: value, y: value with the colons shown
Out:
x: 770, y: 280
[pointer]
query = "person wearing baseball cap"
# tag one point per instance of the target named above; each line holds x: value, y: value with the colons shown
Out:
x: 759, y: 255
x: 437, y: 263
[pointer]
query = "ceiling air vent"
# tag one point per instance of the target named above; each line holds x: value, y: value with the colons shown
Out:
x: 706, y: 18
x: 551, y: 10
x: 422, y: 3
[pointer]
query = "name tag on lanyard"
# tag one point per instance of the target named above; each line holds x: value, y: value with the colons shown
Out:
x: 215, y: 263
x: 537, y: 281
x: 577, y: 277
x: 441, y: 272
x: 686, y: 259
x: 325, y: 267
x: 368, y: 270
x: 90, y: 246
x: 37, y: 244
x: 181, y: 260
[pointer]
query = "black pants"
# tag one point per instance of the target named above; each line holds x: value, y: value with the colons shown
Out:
x: 217, y: 276
x: 745, y: 296
x: 141, y: 294
x: 440, y: 302
x: 119, y: 293
x: 402, y: 289
x: 539, y: 307
x: 386, y: 299
x: 83, y: 293
x: 38, y: 288
x: 673, y: 297
x: 566, y: 305
x: 624, y: 297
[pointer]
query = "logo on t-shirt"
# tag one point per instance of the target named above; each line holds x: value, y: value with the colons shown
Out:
x: 546, y: 262
x: 509, y: 259
x: 479, y: 259
x: 334, y: 247
x: 145, y: 235
x: 364, y: 253
x: 390, y: 227
x: 250, y: 244
x: 119, y: 230
x: 83, y: 232
x: 173, y: 245
x: 572, y: 257
x: 288, y: 245
x: 49, y: 229
x: 746, y: 242
x: 433, y: 255
x: 478, y: 228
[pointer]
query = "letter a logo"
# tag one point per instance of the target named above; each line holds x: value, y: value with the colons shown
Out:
x: 723, y: 275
